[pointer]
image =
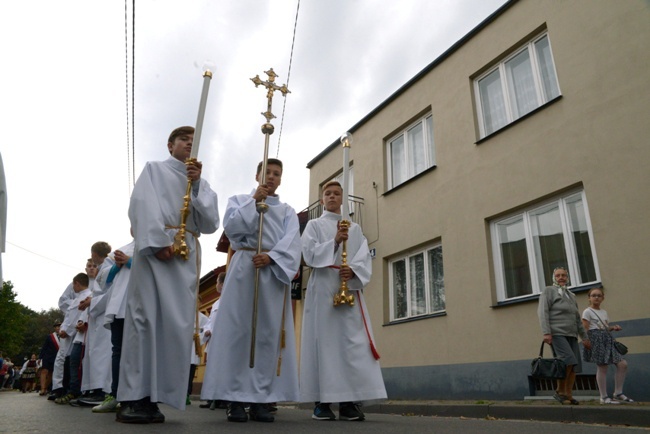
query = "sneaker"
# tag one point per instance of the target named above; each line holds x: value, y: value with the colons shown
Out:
x: 92, y: 399
x: 607, y: 401
x: 55, y: 394
x: 350, y: 411
x: 260, y: 413
x: 108, y: 406
x: 323, y: 412
x: 65, y: 399
x: 622, y: 399
x: 236, y: 412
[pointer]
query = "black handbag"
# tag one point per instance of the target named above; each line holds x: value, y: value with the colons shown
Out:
x: 620, y: 347
x: 551, y: 369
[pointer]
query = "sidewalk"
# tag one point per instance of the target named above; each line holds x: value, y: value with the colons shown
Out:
x: 589, y: 411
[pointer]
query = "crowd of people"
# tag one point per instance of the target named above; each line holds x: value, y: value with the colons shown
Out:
x: 135, y: 306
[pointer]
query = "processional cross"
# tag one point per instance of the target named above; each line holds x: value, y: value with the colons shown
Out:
x: 261, y: 206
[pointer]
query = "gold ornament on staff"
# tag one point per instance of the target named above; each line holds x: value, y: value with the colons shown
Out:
x: 180, y: 245
x: 343, y: 296
x: 262, y: 207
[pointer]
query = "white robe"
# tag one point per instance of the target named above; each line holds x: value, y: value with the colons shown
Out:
x: 97, y: 364
x: 194, y: 358
x: 68, y: 325
x: 209, y: 326
x: 336, y: 362
x: 66, y: 298
x: 228, y: 375
x: 161, y: 295
x: 116, y: 304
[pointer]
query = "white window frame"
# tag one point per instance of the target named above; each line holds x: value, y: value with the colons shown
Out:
x: 533, y: 259
x: 506, y: 88
x: 429, y: 145
x: 427, y: 279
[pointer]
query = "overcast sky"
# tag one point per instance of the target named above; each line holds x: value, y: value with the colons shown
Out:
x: 63, y: 104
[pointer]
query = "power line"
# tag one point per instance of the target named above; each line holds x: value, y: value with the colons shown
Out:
x: 133, y: 90
x: 284, y: 105
x: 42, y: 256
x: 130, y: 114
x: 126, y: 72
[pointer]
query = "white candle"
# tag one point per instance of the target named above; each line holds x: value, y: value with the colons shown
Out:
x: 207, y: 76
x: 346, y: 140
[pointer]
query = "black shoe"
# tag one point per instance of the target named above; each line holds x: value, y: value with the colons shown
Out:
x: 260, y: 413
x: 206, y: 405
x: 350, y: 411
x: 236, y: 412
x: 273, y: 407
x: 55, y: 394
x: 323, y: 412
x: 133, y: 412
x: 155, y: 414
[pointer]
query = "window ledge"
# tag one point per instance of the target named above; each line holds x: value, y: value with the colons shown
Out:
x: 535, y: 297
x: 408, y: 181
x: 415, y: 318
x: 516, y: 121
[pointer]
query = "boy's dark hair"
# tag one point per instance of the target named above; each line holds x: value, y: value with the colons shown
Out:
x: 269, y: 161
x: 221, y: 277
x: 102, y: 248
x: 179, y: 132
x: 81, y: 279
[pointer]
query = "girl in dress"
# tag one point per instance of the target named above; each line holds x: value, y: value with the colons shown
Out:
x: 603, y: 352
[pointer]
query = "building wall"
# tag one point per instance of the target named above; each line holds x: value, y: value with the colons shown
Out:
x: 594, y: 137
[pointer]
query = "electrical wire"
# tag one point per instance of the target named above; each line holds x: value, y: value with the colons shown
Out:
x: 126, y: 72
x: 284, y: 105
x: 42, y: 256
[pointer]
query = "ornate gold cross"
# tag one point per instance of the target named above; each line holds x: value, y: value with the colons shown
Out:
x: 271, y: 87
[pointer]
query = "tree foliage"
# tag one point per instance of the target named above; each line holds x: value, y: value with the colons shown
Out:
x: 13, y: 321
x: 23, y: 330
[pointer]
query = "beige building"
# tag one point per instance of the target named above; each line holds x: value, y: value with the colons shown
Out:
x: 525, y: 146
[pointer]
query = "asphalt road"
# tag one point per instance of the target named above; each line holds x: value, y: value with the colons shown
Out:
x: 30, y: 413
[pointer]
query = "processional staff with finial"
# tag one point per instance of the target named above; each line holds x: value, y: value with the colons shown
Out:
x: 343, y: 296
x: 261, y: 206
x: 180, y: 245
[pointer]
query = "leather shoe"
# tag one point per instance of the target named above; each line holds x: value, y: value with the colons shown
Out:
x: 155, y: 413
x: 260, y: 413
x: 236, y: 412
x: 133, y: 412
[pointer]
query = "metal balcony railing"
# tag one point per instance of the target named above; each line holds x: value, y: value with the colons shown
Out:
x: 315, y: 210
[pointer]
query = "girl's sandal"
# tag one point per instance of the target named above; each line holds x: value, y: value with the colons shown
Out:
x: 622, y: 398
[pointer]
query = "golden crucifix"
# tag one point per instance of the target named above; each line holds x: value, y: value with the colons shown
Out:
x: 262, y: 207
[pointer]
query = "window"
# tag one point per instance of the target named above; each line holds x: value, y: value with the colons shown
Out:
x: 529, y: 245
x: 411, y: 152
x: 516, y: 86
x: 417, y: 284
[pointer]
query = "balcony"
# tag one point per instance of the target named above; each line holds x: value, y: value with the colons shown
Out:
x: 315, y: 210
